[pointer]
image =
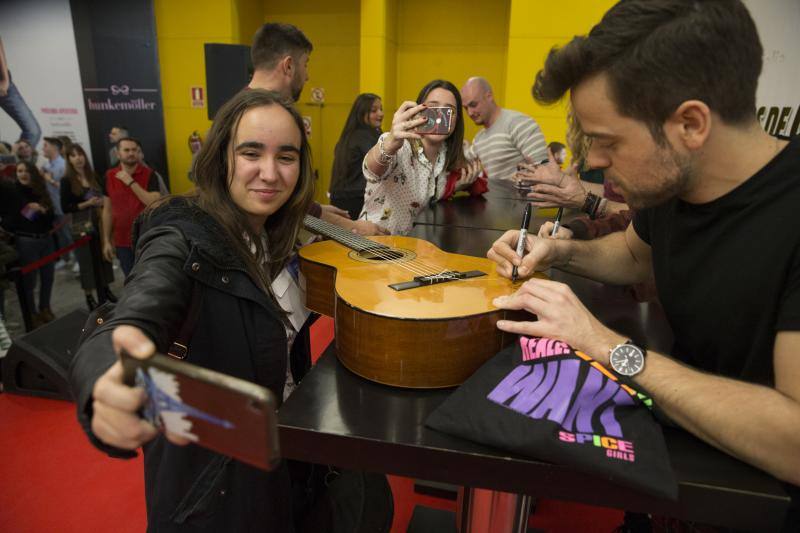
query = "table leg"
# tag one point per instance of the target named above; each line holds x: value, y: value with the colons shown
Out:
x: 488, y: 511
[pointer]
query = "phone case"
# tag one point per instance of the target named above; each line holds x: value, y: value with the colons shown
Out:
x: 228, y: 415
x: 439, y: 120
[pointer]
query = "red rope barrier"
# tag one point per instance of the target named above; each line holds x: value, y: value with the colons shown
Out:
x: 55, y: 255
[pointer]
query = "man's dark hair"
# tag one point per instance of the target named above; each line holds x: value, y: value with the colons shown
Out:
x: 119, y: 127
x: 55, y: 141
x: 274, y: 41
x: 129, y: 139
x: 659, y: 53
x: 556, y: 147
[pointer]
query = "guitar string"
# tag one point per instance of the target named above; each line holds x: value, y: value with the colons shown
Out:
x: 384, y: 252
x: 360, y: 244
x: 387, y: 253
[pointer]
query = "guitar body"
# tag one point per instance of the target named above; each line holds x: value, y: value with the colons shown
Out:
x: 430, y: 336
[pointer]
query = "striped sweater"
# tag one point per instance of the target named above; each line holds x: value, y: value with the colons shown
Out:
x: 507, y: 142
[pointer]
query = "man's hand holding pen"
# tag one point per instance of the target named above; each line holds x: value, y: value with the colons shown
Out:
x: 542, y: 254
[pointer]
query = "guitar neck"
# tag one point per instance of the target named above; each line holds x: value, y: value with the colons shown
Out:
x: 340, y: 235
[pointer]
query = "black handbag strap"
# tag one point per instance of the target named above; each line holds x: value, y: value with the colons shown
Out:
x: 180, y: 346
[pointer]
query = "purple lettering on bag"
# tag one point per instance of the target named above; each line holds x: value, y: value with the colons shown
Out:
x: 535, y: 387
x: 524, y: 388
x: 507, y: 388
x: 556, y: 403
x: 608, y: 418
x: 589, y: 399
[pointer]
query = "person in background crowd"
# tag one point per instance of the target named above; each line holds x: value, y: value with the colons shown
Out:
x: 25, y: 152
x: 53, y: 172
x: 7, y: 256
x: 129, y: 188
x: 508, y: 138
x: 280, y: 55
x: 254, y: 185
x: 82, y: 196
x: 360, y: 132
x: 65, y: 144
x: 8, y: 162
x: 162, y: 184
x: 114, y: 135
x: 405, y: 171
x: 27, y: 212
x: 666, y: 92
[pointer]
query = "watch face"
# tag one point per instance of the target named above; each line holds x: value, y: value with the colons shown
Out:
x: 627, y: 359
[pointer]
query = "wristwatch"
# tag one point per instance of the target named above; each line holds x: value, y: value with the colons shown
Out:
x: 627, y: 359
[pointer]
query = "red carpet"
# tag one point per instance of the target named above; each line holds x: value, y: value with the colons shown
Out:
x: 52, y: 479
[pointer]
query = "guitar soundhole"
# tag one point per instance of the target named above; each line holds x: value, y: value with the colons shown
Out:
x: 382, y: 254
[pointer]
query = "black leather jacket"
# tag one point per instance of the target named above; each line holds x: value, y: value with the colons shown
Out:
x: 239, y: 332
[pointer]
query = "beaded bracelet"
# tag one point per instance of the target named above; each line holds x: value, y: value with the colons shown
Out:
x: 591, y: 205
x: 384, y: 158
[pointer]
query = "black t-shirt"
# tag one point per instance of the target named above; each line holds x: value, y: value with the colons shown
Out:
x: 352, y: 182
x: 728, y: 271
x: 728, y: 274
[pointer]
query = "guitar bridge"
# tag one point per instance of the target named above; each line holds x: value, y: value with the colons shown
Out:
x: 433, y: 279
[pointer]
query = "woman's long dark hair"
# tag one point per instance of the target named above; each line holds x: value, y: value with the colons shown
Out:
x: 455, y: 143
x: 38, y: 185
x: 213, y: 172
x: 355, y: 120
x: 72, y: 174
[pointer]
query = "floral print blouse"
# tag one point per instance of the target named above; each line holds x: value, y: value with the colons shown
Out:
x: 394, y: 199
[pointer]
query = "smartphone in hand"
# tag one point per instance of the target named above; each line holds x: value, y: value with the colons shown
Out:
x: 440, y: 121
x: 228, y: 415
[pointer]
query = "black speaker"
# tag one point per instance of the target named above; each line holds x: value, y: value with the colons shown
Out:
x: 228, y: 71
x: 37, y: 364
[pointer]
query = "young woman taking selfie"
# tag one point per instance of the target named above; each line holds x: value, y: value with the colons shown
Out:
x: 406, y: 170
x: 233, y: 238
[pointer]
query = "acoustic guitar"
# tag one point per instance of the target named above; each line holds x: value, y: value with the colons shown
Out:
x: 406, y: 313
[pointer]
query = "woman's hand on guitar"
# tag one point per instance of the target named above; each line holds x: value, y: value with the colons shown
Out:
x: 366, y: 228
x: 540, y: 254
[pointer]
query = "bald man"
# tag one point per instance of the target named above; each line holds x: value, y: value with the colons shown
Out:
x: 507, y: 138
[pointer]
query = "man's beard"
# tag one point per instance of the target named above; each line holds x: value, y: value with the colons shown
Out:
x: 297, y: 88
x: 675, y: 172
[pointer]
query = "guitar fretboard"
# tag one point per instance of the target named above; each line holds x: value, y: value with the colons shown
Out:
x: 340, y: 235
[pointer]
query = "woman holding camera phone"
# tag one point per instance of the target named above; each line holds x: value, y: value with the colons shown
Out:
x: 408, y: 169
x: 232, y: 240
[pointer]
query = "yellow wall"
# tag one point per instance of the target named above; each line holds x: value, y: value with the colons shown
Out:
x: 182, y: 28
x: 535, y: 27
x: 333, y: 28
x: 390, y: 47
x: 378, y: 53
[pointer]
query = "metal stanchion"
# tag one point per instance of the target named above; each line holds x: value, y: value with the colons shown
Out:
x: 489, y: 511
